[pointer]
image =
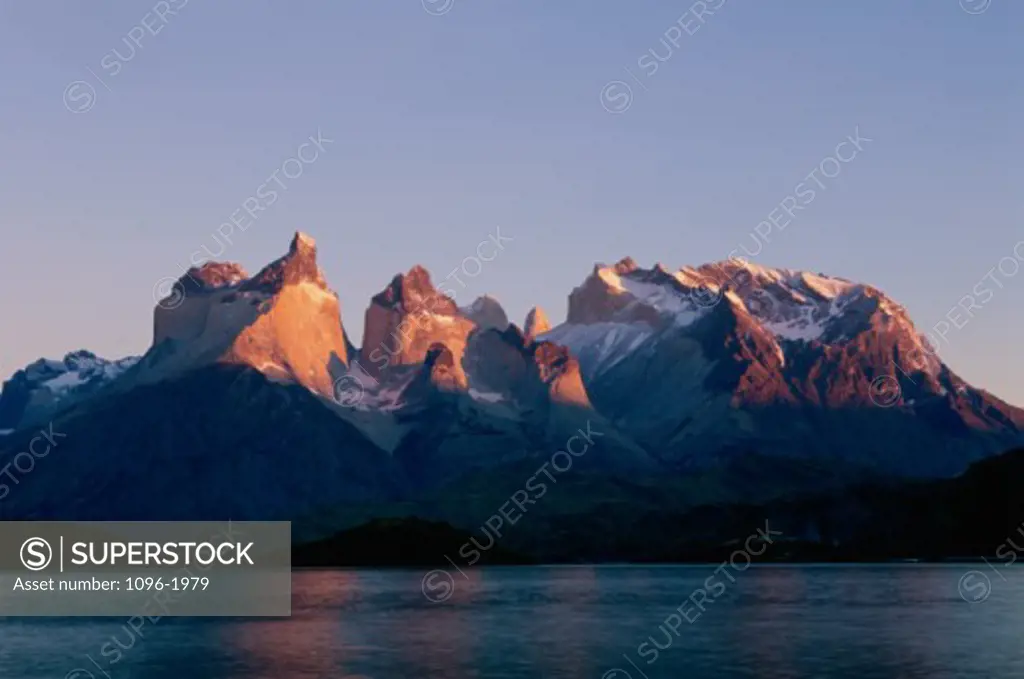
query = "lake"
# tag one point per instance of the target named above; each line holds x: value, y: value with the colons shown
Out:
x: 605, y: 622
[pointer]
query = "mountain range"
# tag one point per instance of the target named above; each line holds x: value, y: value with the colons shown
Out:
x: 706, y: 386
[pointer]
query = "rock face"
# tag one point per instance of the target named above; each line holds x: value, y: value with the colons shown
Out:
x: 213, y: 275
x: 296, y: 268
x: 536, y: 323
x: 530, y: 373
x: 440, y: 374
x: 487, y: 313
x: 602, y: 297
x: 732, y: 355
x: 284, y: 322
x: 722, y: 383
x: 406, y: 319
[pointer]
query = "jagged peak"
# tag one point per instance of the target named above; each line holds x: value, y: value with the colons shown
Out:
x: 302, y: 241
x: 412, y: 290
x: 551, y: 359
x: 484, y: 301
x: 487, y: 312
x: 212, y: 276
x: 537, y: 323
x: 791, y: 304
x: 298, y: 266
x: 625, y: 265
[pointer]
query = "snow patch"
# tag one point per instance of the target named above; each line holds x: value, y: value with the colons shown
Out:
x: 823, y: 286
x: 661, y: 297
x: 77, y: 370
x: 599, y: 346
x: 486, y: 396
x: 804, y: 328
x: 613, y: 279
x: 359, y: 390
x: 68, y: 380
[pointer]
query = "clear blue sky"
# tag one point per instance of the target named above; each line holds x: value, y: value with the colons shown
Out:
x: 490, y: 115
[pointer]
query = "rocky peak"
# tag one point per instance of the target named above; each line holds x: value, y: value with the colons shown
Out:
x: 439, y: 374
x: 536, y: 323
x: 626, y: 265
x: 413, y: 291
x: 611, y: 293
x: 510, y: 362
x: 283, y: 322
x: 213, y: 275
x: 486, y: 312
x: 406, y: 319
x: 298, y: 266
x: 444, y: 372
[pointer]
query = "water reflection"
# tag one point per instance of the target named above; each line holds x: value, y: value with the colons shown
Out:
x: 842, y: 622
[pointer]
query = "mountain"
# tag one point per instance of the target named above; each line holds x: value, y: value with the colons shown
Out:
x: 408, y: 317
x: 537, y: 323
x: 732, y: 356
x: 283, y: 322
x: 487, y: 312
x: 219, y: 442
x: 43, y: 387
x: 238, y: 410
x: 671, y: 391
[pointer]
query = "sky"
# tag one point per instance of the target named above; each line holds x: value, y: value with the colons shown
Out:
x: 132, y: 130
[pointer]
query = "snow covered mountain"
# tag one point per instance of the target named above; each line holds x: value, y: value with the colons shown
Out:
x: 41, y: 388
x: 733, y: 356
x: 766, y: 380
x: 251, y: 384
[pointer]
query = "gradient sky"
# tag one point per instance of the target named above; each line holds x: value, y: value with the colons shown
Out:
x: 447, y: 126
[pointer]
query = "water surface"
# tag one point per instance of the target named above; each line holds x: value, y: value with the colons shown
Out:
x: 862, y: 622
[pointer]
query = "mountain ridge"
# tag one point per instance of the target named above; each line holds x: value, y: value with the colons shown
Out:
x: 717, y: 369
